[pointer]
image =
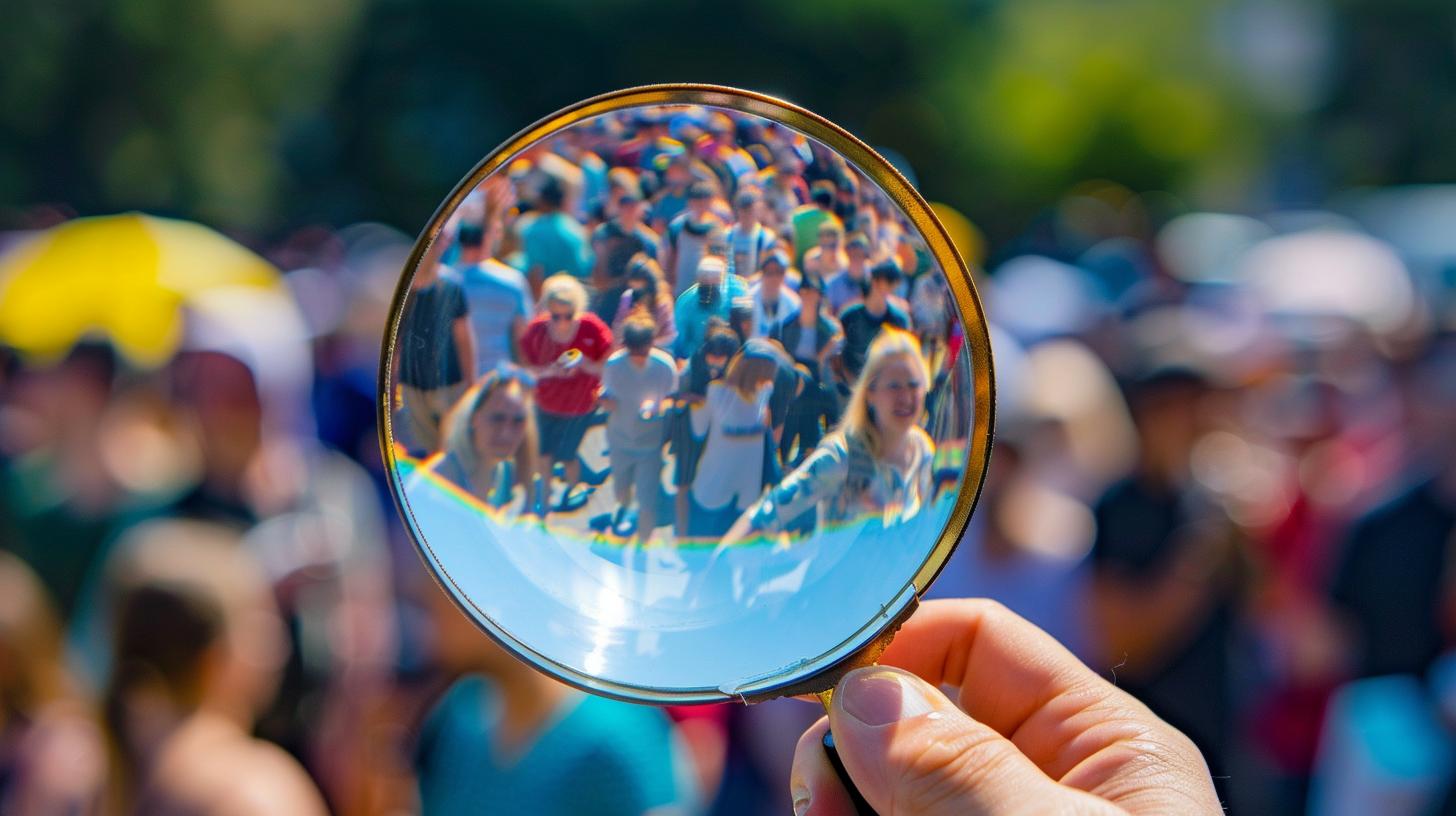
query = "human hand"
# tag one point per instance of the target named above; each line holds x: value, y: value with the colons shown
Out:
x: 1034, y: 730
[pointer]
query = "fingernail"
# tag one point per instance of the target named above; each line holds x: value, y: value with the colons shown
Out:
x: 881, y: 696
x: 801, y: 800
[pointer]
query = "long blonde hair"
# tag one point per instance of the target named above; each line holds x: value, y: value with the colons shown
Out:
x: 888, y: 345
x: 459, y: 430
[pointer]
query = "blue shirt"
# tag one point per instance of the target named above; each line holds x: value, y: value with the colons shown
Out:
x: 497, y: 296
x: 598, y: 756
x: 556, y: 242
x: 691, y: 316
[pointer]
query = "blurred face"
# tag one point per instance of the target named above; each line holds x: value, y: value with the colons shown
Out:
x: 881, y: 287
x: 631, y: 210
x: 897, y: 395
x: 698, y: 206
x: 810, y: 299
x: 856, y: 254
x: 772, y: 281
x: 748, y: 213
x: 500, y: 424
x: 563, y: 319
x: 716, y: 363
x: 828, y: 241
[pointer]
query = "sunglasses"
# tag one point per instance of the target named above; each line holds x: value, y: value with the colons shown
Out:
x: 500, y: 420
x: 558, y: 317
x: 898, y: 386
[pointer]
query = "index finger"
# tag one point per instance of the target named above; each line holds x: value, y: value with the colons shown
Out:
x: 1020, y: 681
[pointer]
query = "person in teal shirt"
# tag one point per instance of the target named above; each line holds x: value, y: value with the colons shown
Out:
x: 552, y: 241
x: 507, y: 739
x: 711, y: 296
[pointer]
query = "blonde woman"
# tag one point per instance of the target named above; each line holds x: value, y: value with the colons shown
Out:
x: 734, y: 417
x: 877, y: 464
x: 490, y: 441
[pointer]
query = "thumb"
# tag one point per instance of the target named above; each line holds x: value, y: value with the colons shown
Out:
x: 910, y: 749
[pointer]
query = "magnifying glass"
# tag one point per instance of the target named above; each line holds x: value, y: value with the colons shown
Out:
x: 686, y: 397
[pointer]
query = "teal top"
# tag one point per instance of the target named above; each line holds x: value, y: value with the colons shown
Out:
x: 595, y: 756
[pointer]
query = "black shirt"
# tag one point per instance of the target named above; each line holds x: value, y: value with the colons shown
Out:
x: 1139, y: 533
x: 860, y: 329
x: 428, y: 357
x: 1389, y: 580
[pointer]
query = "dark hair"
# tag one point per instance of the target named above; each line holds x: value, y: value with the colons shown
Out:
x: 472, y: 234
x: 886, y: 271
x: 700, y: 190
x: 637, y: 333
x: 720, y: 341
x: 551, y: 195
x: 812, y: 283
x: 822, y: 194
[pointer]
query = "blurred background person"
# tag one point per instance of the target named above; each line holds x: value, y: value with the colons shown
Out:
x: 53, y: 760
x: 496, y: 295
x: 507, y: 737
x: 564, y: 346
x: 1163, y: 583
x: 732, y: 420
x: 491, y: 443
x: 637, y: 381
x: 862, y: 322
x: 848, y: 286
x: 774, y: 304
x: 703, y: 368
x: 647, y: 293
x: 686, y: 239
x: 196, y: 649
x: 618, y: 239
x: 553, y: 241
x: 711, y: 296
x: 435, y: 366
x: 812, y: 337
x: 749, y: 241
x: 808, y: 220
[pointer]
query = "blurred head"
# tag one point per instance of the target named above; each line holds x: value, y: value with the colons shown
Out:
x: 822, y: 194
x: 1164, y: 405
x: 830, y: 235
x: 644, y: 278
x: 720, y: 344
x: 637, y: 334
x: 745, y: 206
x: 222, y: 398
x: 630, y: 207
x: 494, y: 421
x: 858, y: 248
x: 700, y: 197
x: 551, y: 195
x: 890, y: 395
x: 711, y: 271
x: 771, y: 275
x: 884, y: 277
x: 563, y: 299
x: 748, y: 372
x: 31, y: 672
x: 194, y: 625
x: 811, y: 294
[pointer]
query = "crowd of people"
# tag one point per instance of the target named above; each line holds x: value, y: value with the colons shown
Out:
x: 716, y: 292
x: 1220, y: 477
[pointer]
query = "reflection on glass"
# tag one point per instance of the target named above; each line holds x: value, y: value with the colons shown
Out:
x: 673, y: 379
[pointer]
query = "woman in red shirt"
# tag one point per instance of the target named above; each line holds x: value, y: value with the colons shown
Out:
x: 564, y: 347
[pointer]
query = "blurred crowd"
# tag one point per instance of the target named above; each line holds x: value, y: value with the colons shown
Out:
x: 1223, y: 474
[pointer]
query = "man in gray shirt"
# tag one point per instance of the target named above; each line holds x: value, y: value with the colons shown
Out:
x: 636, y: 381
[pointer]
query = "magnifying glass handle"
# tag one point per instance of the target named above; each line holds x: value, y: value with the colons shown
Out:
x: 860, y: 805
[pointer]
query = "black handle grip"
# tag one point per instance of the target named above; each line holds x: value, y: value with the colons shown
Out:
x: 860, y: 805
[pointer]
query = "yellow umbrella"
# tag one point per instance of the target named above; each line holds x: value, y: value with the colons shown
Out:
x: 125, y: 276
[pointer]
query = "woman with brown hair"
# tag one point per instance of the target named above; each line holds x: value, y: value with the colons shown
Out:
x: 646, y: 293
x: 197, y: 646
x: 52, y: 759
x: 734, y: 418
x: 490, y: 441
